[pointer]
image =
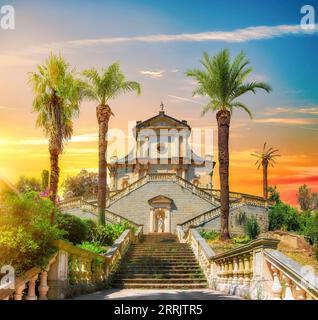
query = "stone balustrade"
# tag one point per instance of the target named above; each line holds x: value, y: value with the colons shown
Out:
x: 32, y: 285
x: 256, y: 270
x: 289, y: 280
x: 73, y: 271
x: 245, y: 198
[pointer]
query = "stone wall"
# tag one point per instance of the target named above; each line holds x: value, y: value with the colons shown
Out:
x: 236, y: 223
x: 135, y: 206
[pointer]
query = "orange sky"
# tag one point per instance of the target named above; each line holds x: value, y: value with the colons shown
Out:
x: 287, y: 119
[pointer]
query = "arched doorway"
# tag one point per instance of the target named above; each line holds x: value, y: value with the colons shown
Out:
x: 160, y: 214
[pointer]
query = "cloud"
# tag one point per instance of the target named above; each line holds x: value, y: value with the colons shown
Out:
x: 292, y: 121
x: 26, y: 56
x: 295, y: 180
x: 174, y: 70
x: 4, y: 108
x: 7, y: 59
x: 91, y: 137
x: 238, y: 35
x: 178, y: 99
x: 280, y: 110
x: 152, y: 73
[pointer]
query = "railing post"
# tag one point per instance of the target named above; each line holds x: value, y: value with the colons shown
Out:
x: 235, y: 270
x: 58, y: 277
x: 19, y: 292
x: 43, y: 288
x: 276, y: 287
x: 31, y: 290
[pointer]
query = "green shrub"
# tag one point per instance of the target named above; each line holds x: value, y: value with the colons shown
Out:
x: 25, y: 231
x: 310, y: 228
x: 209, y: 235
x: 284, y: 217
x: 241, y: 240
x: 252, y: 228
x: 76, y: 229
x: 107, y: 234
x: 94, y: 247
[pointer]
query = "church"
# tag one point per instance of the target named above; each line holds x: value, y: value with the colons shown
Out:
x: 162, y: 183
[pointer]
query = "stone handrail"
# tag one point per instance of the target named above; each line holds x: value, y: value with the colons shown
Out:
x: 36, y: 277
x: 290, y: 281
x: 246, y: 198
x: 74, y: 270
x: 200, y: 248
x: 256, y: 270
x: 161, y: 177
x: 109, y: 215
x: 208, y: 215
x: 195, y: 189
x: 75, y: 202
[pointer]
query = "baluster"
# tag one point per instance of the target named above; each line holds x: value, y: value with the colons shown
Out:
x: 276, y: 287
x: 288, y: 290
x: 19, y: 292
x: 226, y: 271
x: 241, y: 270
x: 31, y: 290
x: 89, y: 271
x: 235, y: 270
x: 43, y: 287
x: 247, y: 269
x: 81, y: 273
x: 300, y: 294
x: 230, y: 271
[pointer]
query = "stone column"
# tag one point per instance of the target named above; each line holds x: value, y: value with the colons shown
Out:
x: 151, y: 221
x: 167, y: 220
x: 58, y: 277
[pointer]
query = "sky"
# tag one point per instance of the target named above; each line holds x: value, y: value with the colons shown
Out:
x: 155, y: 43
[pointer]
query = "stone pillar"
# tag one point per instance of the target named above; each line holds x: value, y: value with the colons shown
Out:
x: 151, y: 221
x: 167, y: 220
x: 184, y: 173
x: 58, y: 277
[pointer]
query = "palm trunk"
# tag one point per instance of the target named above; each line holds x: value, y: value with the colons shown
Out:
x: 103, y: 113
x: 223, y: 118
x: 265, y: 180
x: 54, y: 177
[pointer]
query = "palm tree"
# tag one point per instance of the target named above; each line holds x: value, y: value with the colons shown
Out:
x: 223, y: 81
x: 57, y: 98
x: 101, y: 87
x: 266, y: 158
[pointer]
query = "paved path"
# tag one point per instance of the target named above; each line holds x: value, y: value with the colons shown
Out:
x: 139, y: 294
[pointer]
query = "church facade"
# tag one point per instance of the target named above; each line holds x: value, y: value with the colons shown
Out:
x: 163, y: 183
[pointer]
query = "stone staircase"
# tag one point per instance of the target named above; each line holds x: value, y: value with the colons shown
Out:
x: 160, y: 261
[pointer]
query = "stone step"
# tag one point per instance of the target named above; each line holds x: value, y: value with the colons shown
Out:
x: 159, y: 286
x: 168, y: 264
x: 156, y: 280
x: 184, y: 256
x: 122, y: 275
x: 160, y: 247
x: 159, y: 259
x: 170, y: 269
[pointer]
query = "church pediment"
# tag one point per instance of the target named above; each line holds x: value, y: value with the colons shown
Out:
x: 163, y: 120
x: 160, y: 200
